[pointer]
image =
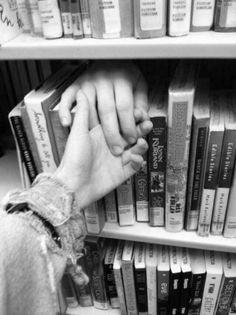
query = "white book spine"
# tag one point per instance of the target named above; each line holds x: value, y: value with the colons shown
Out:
x: 125, y: 200
x: 220, y: 207
x: 94, y: 217
x: 151, y: 275
x: 207, y: 203
x: 151, y: 15
x: 179, y: 17
x: 35, y: 16
x: 202, y: 14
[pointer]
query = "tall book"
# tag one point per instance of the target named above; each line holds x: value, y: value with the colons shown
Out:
x: 140, y: 278
x: 113, y: 19
x: 149, y: 18
x: 232, y: 310
x: 227, y: 163
x: 94, y: 216
x: 78, y: 32
x: 228, y: 284
x: 86, y: 20
x: 23, y: 12
x: 157, y: 140
x: 141, y: 192
x: 200, y: 125
x: 117, y: 265
x: 163, y: 280
x: 198, y: 267
x: 109, y: 273
x: 125, y: 202
x: 211, y: 172
x: 214, y: 274
x: 111, y: 207
x: 68, y: 290
x: 66, y: 18
x: 127, y: 266
x: 186, y: 274
x: 202, y: 15
x: 94, y: 248
x: 180, y: 108
x: 151, y: 256
x: 179, y: 17
x: 175, y: 282
x: 35, y: 17
x: 225, y: 16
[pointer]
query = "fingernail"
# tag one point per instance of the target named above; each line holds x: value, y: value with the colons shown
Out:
x: 64, y: 121
x: 132, y: 140
x: 117, y: 150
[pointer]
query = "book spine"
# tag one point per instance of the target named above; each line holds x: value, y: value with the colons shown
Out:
x: 157, y: 171
x: 141, y: 290
x: 141, y: 193
x: 66, y: 18
x: 149, y: 18
x: 179, y: 129
x: 94, y: 216
x: 86, y: 20
x: 35, y: 17
x: 175, y: 289
x: 202, y: 15
x: 125, y: 200
x: 69, y: 290
x: 225, y: 181
x: 195, y: 180
x: 163, y: 287
x: 179, y: 17
x: 76, y: 19
x: 225, y: 19
x: 185, y: 292
x: 129, y: 287
x: 111, y: 285
x: 226, y: 296
x: 210, y: 181
x: 196, y: 293
x: 24, y: 15
x: 232, y: 310
x: 230, y: 221
x: 151, y: 278
x: 24, y: 146
x: 111, y: 207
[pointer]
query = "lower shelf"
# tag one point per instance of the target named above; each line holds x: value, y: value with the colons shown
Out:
x: 143, y: 232
x: 91, y: 311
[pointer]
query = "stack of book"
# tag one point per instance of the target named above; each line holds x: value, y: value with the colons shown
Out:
x: 155, y: 279
x: 117, y: 18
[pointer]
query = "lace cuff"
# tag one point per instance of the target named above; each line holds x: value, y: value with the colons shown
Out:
x: 52, y: 200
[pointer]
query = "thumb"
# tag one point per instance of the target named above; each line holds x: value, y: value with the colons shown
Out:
x: 81, y: 120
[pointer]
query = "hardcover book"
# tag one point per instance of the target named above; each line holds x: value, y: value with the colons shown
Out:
x: 202, y: 15
x: 225, y: 16
x: 66, y: 18
x: 94, y: 216
x: 175, y: 282
x: 86, y: 20
x: 163, y: 280
x: 111, y: 207
x: 179, y: 17
x: 78, y: 32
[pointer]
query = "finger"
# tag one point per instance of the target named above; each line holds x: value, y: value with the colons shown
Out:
x: 125, y: 108
x: 133, y: 165
x: 81, y: 120
x: 140, y: 115
x: 141, y: 95
x: 67, y: 99
x: 144, y: 128
x: 138, y: 149
x: 90, y: 91
x: 108, y: 116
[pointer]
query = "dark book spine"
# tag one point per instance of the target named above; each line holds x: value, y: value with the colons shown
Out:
x: 185, y: 292
x: 110, y: 282
x: 141, y: 290
x: 226, y: 296
x: 157, y: 171
x: 24, y: 147
x: 175, y: 289
x: 163, y: 286
x: 195, y: 299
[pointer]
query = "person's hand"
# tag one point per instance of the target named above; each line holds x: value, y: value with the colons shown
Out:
x: 118, y: 92
x: 88, y: 167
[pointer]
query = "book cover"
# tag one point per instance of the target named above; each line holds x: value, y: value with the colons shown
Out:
x: 109, y: 274
x: 228, y: 284
x: 179, y: 17
x: 31, y: 66
x: 11, y: 24
x: 68, y: 290
x: 94, y: 216
x: 175, y: 282
x: 118, y: 277
x: 66, y: 18
x: 211, y: 172
x: 125, y: 202
x: 180, y: 109
x: 227, y: 162
x: 111, y: 19
x: 86, y: 20
x: 186, y: 275
x: 149, y: 18
x: 140, y: 278
x: 94, y: 261
x: 214, y: 274
x: 127, y: 266
x: 197, y: 158
x: 111, y: 207
x: 157, y: 141
x: 198, y: 267
x: 151, y: 256
x: 202, y: 15
x: 141, y: 192
x: 163, y: 280
x: 225, y: 16
x: 76, y: 19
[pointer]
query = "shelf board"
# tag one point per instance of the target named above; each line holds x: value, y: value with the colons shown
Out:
x: 91, y: 311
x: 143, y: 232
x: 195, y: 45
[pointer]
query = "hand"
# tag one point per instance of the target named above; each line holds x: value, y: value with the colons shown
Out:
x: 88, y: 167
x: 119, y: 91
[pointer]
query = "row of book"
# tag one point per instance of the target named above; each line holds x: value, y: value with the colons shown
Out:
x: 118, y: 18
x: 142, y: 278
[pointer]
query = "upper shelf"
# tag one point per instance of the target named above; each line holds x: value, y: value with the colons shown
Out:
x: 195, y: 45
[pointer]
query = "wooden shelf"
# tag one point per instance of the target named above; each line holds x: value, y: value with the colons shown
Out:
x: 142, y: 232
x: 195, y: 45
